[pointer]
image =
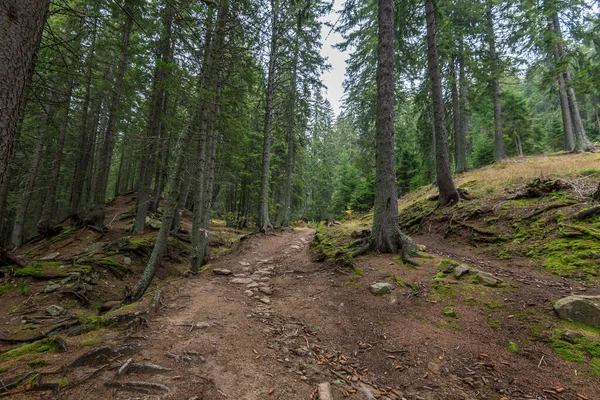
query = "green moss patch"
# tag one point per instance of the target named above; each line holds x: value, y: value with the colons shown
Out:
x: 578, y: 343
x: 41, y: 346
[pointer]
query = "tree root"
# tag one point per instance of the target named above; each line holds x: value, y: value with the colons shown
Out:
x: 398, y: 242
x: 587, y: 213
x: 548, y: 208
x: 144, y: 387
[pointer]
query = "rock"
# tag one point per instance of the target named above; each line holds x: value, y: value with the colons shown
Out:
x: 127, y: 260
x: 52, y: 256
x: 488, y: 279
x: 461, y: 270
x: 265, y: 300
x: 222, y: 271
x: 381, y: 288
x: 153, y: 223
x: 266, y: 290
x: 450, y: 313
x: 241, y: 281
x: 55, y: 310
x: 571, y: 336
x: 244, y: 263
x: 252, y: 285
x: 95, y: 247
x: 295, y: 247
x: 51, y: 287
x: 446, y: 267
x: 109, y: 305
x: 249, y: 293
x: 583, y: 309
x: 421, y: 247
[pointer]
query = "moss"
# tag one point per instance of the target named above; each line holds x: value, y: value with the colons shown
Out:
x: 447, y: 263
x: 39, y: 346
x: 90, y: 342
x: 110, y: 261
x: 493, y: 305
x: 40, y: 362
x: 449, y: 312
x: 492, y: 323
x: 512, y: 347
x: 139, y: 243
x: 440, y: 275
x: 504, y: 253
x: 584, y: 349
x: 443, y: 289
x: 570, y: 257
x: 5, y: 288
x: 357, y: 271
x: 24, y: 289
x: 3, y: 370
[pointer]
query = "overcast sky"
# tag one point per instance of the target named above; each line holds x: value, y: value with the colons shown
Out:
x: 334, y: 78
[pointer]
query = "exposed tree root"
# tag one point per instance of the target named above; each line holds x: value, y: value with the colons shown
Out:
x: 398, y: 242
x: 144, y: 387
x: 547, y: 208
x: 587, y: 213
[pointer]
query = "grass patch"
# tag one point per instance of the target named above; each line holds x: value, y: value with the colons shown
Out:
x: 583, y: 348
x: 41, y: 346
x: 40, y: 362
x: 90, y: 342
x: 512, y: 347
x: 5, y: 288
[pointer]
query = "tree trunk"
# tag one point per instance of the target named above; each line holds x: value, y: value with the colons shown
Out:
x: 456, y: 117
x: 49, y: 208
x: 462, y: 102
x: 264, y: 222
x: 85, y: 134
x: 17, y: 234
x: 21, y: 26
x: 386, y: 236
x: 103, y: 171
x: 495, y: 80
x: 148, y: 160
x: 448, y: 193
x: 596, y: 111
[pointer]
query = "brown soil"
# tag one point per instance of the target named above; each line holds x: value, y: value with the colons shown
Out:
x: 322, y: 324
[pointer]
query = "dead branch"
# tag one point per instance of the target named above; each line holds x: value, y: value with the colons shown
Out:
x: 548, y: 208
x: 144, y: 387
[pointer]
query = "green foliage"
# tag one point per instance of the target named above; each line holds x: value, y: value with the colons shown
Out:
x: 40, y: 346
x: 5, y: 288
x: 512, y: 347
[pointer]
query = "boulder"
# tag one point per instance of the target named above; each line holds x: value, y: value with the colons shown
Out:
x: 381, y: 288
x: 488, y: 279
x: 583, y: 309
x: 51, y: 287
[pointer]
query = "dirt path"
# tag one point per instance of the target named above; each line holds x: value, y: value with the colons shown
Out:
x: 289, y: 324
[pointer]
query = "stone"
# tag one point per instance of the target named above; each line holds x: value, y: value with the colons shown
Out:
x: 153, y: 223
x: 488, y: 279
x: 265, y: 300
x: 461, y: 270
x: 241, y: 281
x: 421, y: 247
x: 571, y: 336
x: 252, y: 285
x: 109, y: 305
x: 51, y: 287
x: 127, y: 260
x: 381, y: 288
x: 222, y: 271
x: 249, y: 293
x: 52, y: 256
x: 55, y: 310
x: 446, y: 267
x: 295, y: 247
x: 583, y: 309
x: 244, y: 263
x: 266, y: 290
x: 434, y: 368
x: 95, y: 247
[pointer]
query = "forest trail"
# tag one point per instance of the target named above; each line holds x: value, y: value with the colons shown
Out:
x: 289, y: 324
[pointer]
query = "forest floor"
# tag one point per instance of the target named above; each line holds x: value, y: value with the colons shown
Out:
x: 281, y: 323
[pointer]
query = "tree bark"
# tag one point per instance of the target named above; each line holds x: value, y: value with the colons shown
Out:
x: 264, y: 223
x: 148, y: 161
x: 99, y: 195
x: 21, y: 27
x: 448, y: 193
x: 495, y: 80
x: 85, y: 134
x: 386, y: 235
x: 18, y: 229
x: 49, y: 208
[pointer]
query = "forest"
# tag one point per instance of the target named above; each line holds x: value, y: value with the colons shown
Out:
x: 170, y: 129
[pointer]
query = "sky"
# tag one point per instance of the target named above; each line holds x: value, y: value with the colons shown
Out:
x: 333, y: 78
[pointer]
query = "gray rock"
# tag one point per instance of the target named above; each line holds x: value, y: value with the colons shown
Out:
x: 244, y: 263
x: 127, y: 260
x: 55, y: 310
x: 252, y: 285
x: 461, y: 270
x: 446, y: 268
x: 488, y: 279
x: 95, y: 247
x: 222, y: 271
x: 52, y: 256
x: 249, y: 293
x: 571, y: 336
x: 51, y: 287
x: 153, y: 223
x: 241, y: 281
x: 584, y: 309
x: 421, y: 247
x: 381, y: 288
x: 265, y: 300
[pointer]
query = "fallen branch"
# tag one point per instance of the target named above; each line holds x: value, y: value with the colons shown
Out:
x: 547, y: 208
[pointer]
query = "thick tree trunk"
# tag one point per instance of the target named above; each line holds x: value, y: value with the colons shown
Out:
x: 264, y: 223
x: 148, y: 161
x: 566, y: 113
x: 462, y: 102
x: 386, y: 235
x: 456, y: 117
x: 99, y: 195
x: 495, y: 80
x: 49, y: 208
x: 596, y: 110
x: 18, y: 229
x: 21, y: 27
x: 448, y: 193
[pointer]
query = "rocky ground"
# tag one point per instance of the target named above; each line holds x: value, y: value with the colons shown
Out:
x: 267, y: 322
